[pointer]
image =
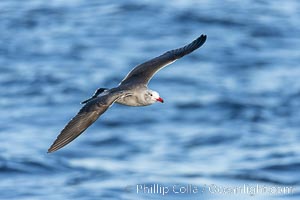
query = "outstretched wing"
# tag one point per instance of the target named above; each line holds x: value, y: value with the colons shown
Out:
x: 143, y: 73
x: 88, y: 114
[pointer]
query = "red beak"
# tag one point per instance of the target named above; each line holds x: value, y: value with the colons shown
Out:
x: 160, y: 100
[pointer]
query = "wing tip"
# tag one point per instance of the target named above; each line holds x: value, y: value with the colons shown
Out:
x: 53, y: 148
x: 197, y: 43
x: 50, y: 151
x: 201, y: 40
x: 62, y: 141
x: 203, y: 36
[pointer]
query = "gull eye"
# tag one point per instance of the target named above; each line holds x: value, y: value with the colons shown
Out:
x: 151, y: 95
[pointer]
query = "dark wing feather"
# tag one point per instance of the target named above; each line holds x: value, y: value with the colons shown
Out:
x: 143, y: 73
x: 74, y: 128
x: 88, y: 114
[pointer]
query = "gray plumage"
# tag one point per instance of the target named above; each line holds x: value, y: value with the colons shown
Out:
x: 144, y: 72
x: 87, y: 115
x: 132, y: 91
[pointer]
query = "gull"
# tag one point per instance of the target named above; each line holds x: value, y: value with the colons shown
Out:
x: 132, y: 91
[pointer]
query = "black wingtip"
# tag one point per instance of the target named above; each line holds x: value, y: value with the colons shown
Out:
x: 178, y: 53
x: 201, y: 40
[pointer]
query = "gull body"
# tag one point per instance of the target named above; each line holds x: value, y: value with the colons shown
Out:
x: 132, y: 91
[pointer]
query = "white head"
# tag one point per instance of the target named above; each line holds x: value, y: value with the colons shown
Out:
x: 152, y: 97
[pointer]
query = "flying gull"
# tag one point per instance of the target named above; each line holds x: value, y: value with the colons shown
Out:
x: 132, y: 91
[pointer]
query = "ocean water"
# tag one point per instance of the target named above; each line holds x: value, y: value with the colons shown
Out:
x: 229, y: 127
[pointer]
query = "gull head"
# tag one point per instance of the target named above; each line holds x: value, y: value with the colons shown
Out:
x: 152, y: 97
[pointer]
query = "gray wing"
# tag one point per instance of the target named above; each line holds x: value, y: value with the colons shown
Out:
x: 88, y: 114
x: 143, y: 73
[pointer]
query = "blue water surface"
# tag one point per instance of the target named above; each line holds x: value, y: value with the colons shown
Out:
x: 229, y: 127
